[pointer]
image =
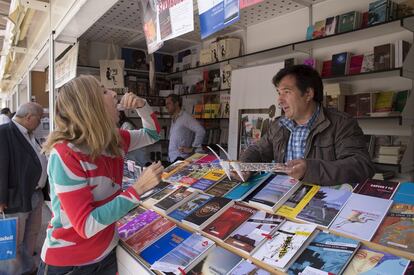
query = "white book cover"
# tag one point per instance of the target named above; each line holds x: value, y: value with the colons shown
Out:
x: 361, y: 216
x: 285, y: 244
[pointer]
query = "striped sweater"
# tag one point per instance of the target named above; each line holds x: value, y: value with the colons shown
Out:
x: 87, y: 199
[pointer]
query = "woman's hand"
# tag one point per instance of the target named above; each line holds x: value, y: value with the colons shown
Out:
x: 149, y: 178
x: 132, y: 101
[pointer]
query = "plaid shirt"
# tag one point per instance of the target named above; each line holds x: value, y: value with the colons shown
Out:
x: 298, y: 136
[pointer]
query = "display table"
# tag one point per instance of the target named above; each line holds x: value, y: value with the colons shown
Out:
x: 128, y: 264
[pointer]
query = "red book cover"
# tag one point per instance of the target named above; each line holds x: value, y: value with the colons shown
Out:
x: 378, y: 188
x: 365, y: 17
x: 227, y: 222
x: 206, y: 159
x: 355, y: 64
x: 327, y: 68
x: 149, y: 233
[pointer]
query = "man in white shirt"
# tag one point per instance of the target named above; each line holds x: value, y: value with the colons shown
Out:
x: 21, y: 180
x: 5, y: 115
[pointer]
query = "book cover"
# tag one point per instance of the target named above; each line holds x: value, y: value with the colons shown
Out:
x: 400, y: 101
x: 184, y: 255
x: 384, y: 57
x: 298, y: 200
x: 245, y: 188
x: 207, y: 211
x: 361, y: 216
x: 206, y: 159
x: 368, y: 63
x: 331, y: 24
x: 130, y: 228
x: 178, y: 196
x: 405, y: 193
x: 326, y: 68
x: 410, y: 269
x: 195, y: 157
x: 348, y: 21
x: 161, y: 186
x: 164, y: 245
x: 351, y: 105
x: 384, y: 101
x: 149, y: 234
x: 324, y: 206
x: 276, y: 192
x: 223, y: 187
x: 218, y: 262
x: 326, y: 252
x: 319, y: 29
x: 189, y: 207
x: 229, y: 220
x: 378, y: 188
x: 368, y: 261
x: 194, y: 176
x: 397, y: 228
x: 286, y: 242
x: 173, y: 168
x: 246, y: 267
x: 131, y: 215
x: 355, y: 64
x: 378, y: 12
x: 253, y: 232
x: 209, y: 179
x: 363, y: 104
x: 340, y: 63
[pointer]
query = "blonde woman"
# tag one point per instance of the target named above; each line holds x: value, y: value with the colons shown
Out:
x: 85, y: 171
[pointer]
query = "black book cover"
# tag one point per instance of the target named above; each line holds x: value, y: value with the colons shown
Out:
x: 340, y: 64
x: 209, y: 209
x: 177, y: 196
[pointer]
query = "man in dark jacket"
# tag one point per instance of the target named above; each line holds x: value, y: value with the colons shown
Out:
x: 23, y: 175
x: 321, y: 146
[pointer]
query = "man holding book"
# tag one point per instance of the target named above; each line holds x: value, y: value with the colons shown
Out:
x: 319, y: 145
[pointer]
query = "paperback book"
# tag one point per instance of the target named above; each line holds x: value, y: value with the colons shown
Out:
x: 247, y: 267
x: 223, y: 187
x: 324, y: 206
x: 153, y: 199
x: 229, y: 220
x: 133, y: 226
x: 326, y: 252
x: 285, y: 245
x: 254, y: 231
x: 397, y: 228
x: 405, y: 193
x: 212, y: 177
x: 172, y: 201
x: 161, y: 186
x: 242, y: 190
x: 133, y: 214
x: 275, y: 193
x: 185, y: 256
x: 377, y: 188
x: 219, y: 261
x: 164, y: 245
x: 361, y: 216
x: 368, y: 261
x: 190, y: 206
x: 298, y: 200
x: 208, y: 212
x: 149, y: 234
x: 173, y: 168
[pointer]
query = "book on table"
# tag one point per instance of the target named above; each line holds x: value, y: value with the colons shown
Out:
x: 246, y: 267
x: 242, y: 190
x: 377, y: 188
x: 130, y: 228
x: 190, y: 206
x: 174, y: 200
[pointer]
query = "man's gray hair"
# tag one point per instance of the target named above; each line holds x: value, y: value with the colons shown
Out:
x: 29, y: 108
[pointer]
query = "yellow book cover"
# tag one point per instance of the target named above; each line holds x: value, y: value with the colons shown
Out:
x: 214, y: 175
x: 384, y: 102
x: 172, y: 169
x: 298, y: 200
x: 215, y: 110
x: 207, y: 111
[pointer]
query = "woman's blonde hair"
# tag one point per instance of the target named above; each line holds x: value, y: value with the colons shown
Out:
x: 81, y: 118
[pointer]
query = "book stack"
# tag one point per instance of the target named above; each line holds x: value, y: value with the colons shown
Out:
x: 389, y: 154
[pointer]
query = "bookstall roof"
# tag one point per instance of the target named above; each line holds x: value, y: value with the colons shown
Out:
x: 122, y: 23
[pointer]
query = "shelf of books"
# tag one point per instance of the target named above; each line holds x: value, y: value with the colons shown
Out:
x: 394, y: 72
x: 351, y: 35
x: 197, y: 221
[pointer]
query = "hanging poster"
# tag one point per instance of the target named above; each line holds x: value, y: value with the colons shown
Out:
x: 215, y: 15
x: 247, y: 3
x: 65, y: 68
x: 176, y: 18
x: 151, y: 25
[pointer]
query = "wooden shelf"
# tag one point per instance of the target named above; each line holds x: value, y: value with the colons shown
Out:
x: 395, y: 72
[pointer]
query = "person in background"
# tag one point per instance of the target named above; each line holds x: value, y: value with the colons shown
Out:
x: 22, y: 177
x: 186, y: 133
x: 5, y: 115
x: 85, y: 173
x: 320, y: 145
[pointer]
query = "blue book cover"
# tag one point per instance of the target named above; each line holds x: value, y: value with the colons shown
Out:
x: 165, y: 244
x: 405, y: 193
x: 326, y: 252
x: 245, y: 188
x: 203, y: 184
x: 189, y: 207
x: 372, y: 262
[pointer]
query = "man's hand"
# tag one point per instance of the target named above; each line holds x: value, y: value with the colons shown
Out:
x: 131, y: 101
x: 297, y: 168
x: 149, y: 178
x: 3, y: 207
x: 186, y: 150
